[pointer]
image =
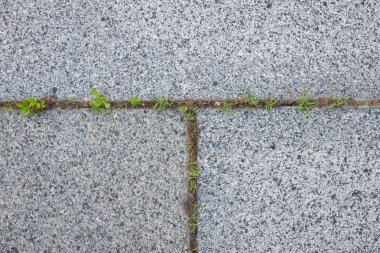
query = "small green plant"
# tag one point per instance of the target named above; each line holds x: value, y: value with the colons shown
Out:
x: 193, y: 186
x: 270, y: 104
x: 195, y: 171
x: 100, y: 103
x: 227, y: 107
x: 31, y: 106
x: 189, y: 113
x: 306, y: 104
x: 340, y: 102
x: 161, y: 104
x: 252, y: 99
x: 194, y: 218
x: 195, y: 250
x: 135, y: 102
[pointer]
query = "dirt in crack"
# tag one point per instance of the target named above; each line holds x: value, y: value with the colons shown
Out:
x: 193, y: 174
x: 322, y: 102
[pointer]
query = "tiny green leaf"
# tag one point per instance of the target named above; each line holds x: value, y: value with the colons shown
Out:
x: 161, y: 104
x: 31, y: 106
x: 306, y: 104
x: 270, y: 104
x: 100, y: 103
x: 227, y: 107
x: 135, y: 102
x: 189, y: 113
x: 252, y: 99
x: 340, y: 102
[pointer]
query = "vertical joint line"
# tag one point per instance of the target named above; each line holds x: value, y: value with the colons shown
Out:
x: 193, y: 173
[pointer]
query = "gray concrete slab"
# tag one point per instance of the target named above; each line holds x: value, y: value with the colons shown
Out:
x: 192, y: 49
x: 73, y: 182
x: 271, y: 183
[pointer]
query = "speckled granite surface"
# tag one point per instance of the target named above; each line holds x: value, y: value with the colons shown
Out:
x: 270, y: 183
x: 192, y: 49
x: 72, y: 182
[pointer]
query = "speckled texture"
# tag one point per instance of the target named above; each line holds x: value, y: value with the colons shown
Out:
x: 271, y: 183
x: 192, y: 49
x: 72, y: 182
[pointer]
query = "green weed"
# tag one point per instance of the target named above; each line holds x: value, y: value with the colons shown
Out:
x: 195, y: 171
x: 270, y: 104
x: 135, y: 102
x: 306, y: 104
x: 227, y: 107
x: 194, y: 218
x: 100, y: 103
x: 193, y: 186
x: 161, y: 104
x: 189, y: 113
x: 252, y: 99
x: 340, y: 102
x: 31, y: 106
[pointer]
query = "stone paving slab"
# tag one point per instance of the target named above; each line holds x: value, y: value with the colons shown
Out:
x: 189, y: 49
x: 73, y: 182
x: 271, y: 183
